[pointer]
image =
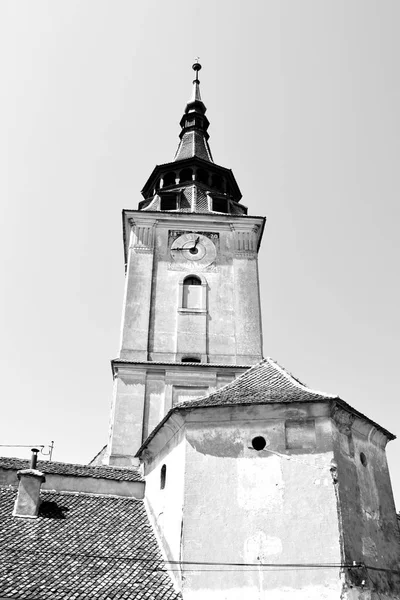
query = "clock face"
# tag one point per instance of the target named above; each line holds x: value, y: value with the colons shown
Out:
x: 193, y: 248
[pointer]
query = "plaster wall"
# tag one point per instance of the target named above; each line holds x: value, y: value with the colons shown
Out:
x: 144, y: 394
x: 227, y: 331
x: 166, y: 505
x: 274, y: 506
x: 368, y: 514
x: 210, y: 334
x: 247, y: 309
x: 126, y: 418
x: 136, y: 309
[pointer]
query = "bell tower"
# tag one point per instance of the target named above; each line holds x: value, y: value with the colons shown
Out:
x: 191, y: 315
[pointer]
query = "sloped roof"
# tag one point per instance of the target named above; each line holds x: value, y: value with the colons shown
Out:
x: 83, y: 547
x: 193, y: 143
x: 264, y: 382
x: 58, y: 468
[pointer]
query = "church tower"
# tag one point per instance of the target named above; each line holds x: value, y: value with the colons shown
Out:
x: 191, y: 316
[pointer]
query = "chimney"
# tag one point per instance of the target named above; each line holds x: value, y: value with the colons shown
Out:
x: 28, y: 497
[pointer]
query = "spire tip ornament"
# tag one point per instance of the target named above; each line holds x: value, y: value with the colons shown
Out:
x: 196, y: 68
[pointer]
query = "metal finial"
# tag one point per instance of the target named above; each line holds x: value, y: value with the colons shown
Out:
x: 196, y: 67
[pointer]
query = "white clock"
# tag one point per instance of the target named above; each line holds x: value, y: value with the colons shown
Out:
x: 193, y: 248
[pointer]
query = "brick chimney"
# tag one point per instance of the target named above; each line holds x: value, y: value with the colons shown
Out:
x: 28, y: 498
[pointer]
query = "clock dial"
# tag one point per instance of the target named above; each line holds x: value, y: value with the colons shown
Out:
x: 193, y: 248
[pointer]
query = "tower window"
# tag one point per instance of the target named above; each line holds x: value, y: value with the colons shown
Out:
x: 217, y: 182
x: 202, y: 176
x: 169, y: 202
x: 169, y: 179
x: 185, y: 175
x: 192, y: 293
x: 163, y: 477
x: 220, y: 205
x: 190, y: 359
x: 192, y: 280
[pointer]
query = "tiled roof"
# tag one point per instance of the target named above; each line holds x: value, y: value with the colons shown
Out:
x: 81, y: 547
x: 264, y: 382
x: 193, y: 143
x: 58, y: 468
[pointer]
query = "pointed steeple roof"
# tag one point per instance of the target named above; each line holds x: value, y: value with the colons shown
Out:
x: 194, y: 123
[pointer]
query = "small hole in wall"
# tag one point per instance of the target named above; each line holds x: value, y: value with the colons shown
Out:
x: 163, y: 476
x: 258, y: 443
x: 363, y: 459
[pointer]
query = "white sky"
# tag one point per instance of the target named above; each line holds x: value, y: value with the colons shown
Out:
x: 303, y: 101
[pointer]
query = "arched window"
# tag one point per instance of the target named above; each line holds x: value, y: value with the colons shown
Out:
x: 192, y: 292
x: 185, y: 175
x: 169, y: 179
x: 202, y: 176
x: 217, y: 182
x: 163, y: 476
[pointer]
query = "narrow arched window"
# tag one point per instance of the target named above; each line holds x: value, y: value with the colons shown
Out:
x: 192, y: 292
x: 185, y: 175
x: 202, y: 176
x: 169, y: 179
x: 163, y: 476
x: 217, y: 182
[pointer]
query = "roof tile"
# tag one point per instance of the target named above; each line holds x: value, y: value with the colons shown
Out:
x: 264, y: 382
x: 81, y: 546
x: 59, y: 468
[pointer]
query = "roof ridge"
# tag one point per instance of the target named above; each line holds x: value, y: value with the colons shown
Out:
x: 233, y: 381
x: 70, y: 464
x: 93, y: 494
x: 297, y: 382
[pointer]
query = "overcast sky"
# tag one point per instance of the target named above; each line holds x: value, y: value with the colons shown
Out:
x: 303, y: 100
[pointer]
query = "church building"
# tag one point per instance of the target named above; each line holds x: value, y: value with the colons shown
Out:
x: 224, y: 477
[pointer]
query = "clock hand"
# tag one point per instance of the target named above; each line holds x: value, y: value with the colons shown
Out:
x: 191, y: 248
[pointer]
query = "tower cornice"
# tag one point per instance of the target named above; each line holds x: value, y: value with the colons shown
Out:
x: 191, y: 222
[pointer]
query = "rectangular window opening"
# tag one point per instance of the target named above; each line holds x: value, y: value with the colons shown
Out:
x: 220, y: 205
x: 169, y: 202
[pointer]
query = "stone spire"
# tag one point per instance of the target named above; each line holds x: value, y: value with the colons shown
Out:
x: 194, y: 123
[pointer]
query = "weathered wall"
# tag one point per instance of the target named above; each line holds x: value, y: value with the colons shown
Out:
x: 126, y: 417
x: 229, y: 331
x: 166, y: 505
x: 137, y: 296
x: 370, y: 530
x: 247, y: 506
x: 240, y: 505
x: 144, y: 394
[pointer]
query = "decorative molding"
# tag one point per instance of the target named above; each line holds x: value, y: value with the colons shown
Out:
x: 142, y: 236
x: 246, y: 241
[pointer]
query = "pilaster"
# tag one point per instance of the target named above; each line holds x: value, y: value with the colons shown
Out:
x: 137, y: 301
x: 248, y: 328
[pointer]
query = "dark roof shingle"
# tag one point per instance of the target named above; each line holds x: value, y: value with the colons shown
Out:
x: 264, y: 382
x: 81, y: 546
x: 58, y: 468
